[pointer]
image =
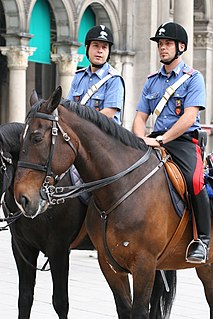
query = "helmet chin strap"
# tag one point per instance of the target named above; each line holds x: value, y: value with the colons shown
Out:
x: 97, y: 66
x: 169, y: 62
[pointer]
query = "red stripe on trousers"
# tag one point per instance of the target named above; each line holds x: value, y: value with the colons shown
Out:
x: 198, y: 176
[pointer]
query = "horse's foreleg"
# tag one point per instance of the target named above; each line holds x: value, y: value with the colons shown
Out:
x: 119, y: 284
x: 143, y: 275
x: 205, y: 273
x: 27, y: 275
x: 59, y: 265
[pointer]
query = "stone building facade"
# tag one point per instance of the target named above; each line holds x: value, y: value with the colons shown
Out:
x: 134, y: 55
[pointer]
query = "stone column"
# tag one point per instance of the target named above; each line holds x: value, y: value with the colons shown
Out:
x: 123, y: 63
x: 17, y: 60
x: 66, y: 58
x: 184, y: 15
x: 128, y: 75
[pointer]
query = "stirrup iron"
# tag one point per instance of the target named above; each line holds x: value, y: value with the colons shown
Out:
x: 205, y: 248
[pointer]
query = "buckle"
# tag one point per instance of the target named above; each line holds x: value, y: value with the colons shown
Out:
x: 170, y: 90
x: 54, y: 131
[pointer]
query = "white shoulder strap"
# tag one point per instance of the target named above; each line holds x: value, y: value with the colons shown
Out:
x: 169, y: 92
x: 94, y: 88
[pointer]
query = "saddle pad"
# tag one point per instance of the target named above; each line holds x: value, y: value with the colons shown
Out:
x: 176, y: 184
x: 178, y: 202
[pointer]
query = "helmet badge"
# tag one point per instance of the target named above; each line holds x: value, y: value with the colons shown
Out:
x: 103, y: 34
x: 161, y: 31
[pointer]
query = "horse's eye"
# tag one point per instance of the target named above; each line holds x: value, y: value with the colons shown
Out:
x: 36, y: 138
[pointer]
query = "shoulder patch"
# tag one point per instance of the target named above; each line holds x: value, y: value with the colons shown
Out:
x: 152, y: 74
x: 80, y: 70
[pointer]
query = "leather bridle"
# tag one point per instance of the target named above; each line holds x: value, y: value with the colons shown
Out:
x: 48, y: 166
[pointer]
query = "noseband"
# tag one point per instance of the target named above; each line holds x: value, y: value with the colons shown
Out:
x: 47, y: 167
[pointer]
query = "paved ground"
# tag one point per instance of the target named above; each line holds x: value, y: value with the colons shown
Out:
x: 90, y: 296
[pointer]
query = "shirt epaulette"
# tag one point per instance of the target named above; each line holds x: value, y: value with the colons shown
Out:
x: 188, y: 70
x: 113, y: 71
x: 80, y: 70
x: 152, y: 74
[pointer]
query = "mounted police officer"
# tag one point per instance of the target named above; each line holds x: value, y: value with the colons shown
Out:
x: 176, y: 94
x: 99, y: 85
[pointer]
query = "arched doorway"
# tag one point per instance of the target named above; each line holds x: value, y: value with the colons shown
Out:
x: 41, y: 72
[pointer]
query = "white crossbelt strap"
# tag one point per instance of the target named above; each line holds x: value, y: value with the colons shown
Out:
x: 169, y: 92
x: 94, y: 88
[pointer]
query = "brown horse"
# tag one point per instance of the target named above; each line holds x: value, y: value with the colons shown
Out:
x: 52, y: 233
x: 131, y: 218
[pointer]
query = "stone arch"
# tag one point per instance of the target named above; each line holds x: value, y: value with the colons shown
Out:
x: 14, y: 15
x: 64, y: 16
x: 106, y: 14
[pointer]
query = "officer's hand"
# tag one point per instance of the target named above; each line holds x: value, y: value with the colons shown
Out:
x: 151, y: 141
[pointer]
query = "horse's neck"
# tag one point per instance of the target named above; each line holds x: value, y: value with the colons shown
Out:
x: 95, y: 160
x: 103, y: 156
x: 100, y: 154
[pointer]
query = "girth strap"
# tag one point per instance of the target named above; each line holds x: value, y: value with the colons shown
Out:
x: 175, y: 238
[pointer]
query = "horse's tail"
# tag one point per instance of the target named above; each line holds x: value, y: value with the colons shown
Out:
x: 162, y: 300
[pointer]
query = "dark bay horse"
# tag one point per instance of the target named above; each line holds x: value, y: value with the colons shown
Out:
x: 138, y: 227
x: 50, y: 233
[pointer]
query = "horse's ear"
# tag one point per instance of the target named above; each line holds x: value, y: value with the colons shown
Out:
x: 54, y: 99
x: 33, y: 98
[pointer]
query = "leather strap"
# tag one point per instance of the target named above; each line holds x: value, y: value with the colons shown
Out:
x: 94, y: 88
x: 169, y: 92
x: 175, y: 238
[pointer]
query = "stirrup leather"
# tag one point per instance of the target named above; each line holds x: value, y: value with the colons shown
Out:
x: 205, y: 248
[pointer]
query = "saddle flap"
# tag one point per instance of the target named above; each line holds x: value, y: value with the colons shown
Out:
x: 175, y: 175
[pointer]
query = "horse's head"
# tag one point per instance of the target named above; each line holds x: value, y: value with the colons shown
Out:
x: 40, y: 162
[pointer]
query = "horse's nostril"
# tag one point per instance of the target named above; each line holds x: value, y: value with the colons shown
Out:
x: 24, y: 202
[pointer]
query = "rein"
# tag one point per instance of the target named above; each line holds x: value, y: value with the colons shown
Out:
x: 57, y: 195
x: 4, y: 159
x: 11, y: 217
x: 10, y: 220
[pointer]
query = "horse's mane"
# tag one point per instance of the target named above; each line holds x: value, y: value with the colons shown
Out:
x: 105, y: 124
x: 10, y: 136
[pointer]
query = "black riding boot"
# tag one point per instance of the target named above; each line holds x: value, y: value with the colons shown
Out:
x: 197, y: 251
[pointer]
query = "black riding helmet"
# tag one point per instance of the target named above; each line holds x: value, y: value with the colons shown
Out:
x: 172, y: 31
x: 99, y: 33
